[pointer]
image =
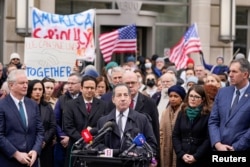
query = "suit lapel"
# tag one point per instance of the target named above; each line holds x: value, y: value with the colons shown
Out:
x: 139, y: 102
x: 15, y: 110
x: 94, y: 108
x: 243, y: 100
x: 112, y: 117
x: 82, y: 106
x: 130, y: 118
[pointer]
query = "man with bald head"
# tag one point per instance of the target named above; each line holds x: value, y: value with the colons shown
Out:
x: 140, y: 102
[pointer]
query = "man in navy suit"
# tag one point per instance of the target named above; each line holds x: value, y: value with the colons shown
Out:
x: 229, y: 122
x: 21, y: 130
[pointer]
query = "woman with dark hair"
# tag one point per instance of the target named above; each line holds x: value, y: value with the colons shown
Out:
x: 36, y: 92
x: 102, y: 87
x: 49, y: 85
x: 190, y: 136
x: 176, y: 96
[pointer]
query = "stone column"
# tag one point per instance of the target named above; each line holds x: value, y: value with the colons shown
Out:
x: 200, y: 13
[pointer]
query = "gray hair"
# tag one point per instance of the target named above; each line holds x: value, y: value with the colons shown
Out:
x: 120, y: 85
x: 78, y: 75
x: 244, y: 64
x: 14, y: 73
x: 117, y: 69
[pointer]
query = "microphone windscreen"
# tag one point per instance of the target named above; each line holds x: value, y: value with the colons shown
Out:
x: 139, y: 140
x: 93, y: 131
x: 87, y: 137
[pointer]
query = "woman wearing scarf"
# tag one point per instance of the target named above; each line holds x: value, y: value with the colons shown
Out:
x: 176, y: 95
x: 190, y: 136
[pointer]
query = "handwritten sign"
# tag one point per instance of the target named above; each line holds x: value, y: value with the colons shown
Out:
x: 49, y: 58
x: 75, y: 27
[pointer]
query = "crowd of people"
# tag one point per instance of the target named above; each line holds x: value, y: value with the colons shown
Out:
x: 184, y: 115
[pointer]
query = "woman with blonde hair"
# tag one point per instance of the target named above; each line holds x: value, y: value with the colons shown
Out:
x: 213, y: 79
x: 176, y: 95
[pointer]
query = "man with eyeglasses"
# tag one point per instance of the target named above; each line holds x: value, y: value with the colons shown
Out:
x: 161, y: 98
x: 74, y: 87
x: 142, y: 103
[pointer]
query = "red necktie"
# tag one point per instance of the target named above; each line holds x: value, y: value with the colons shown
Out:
x: 89, y: 107
x: 131, y: 104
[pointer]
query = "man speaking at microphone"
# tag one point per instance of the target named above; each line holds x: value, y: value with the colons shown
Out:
x: 126, y: 120
x: 83, y: 111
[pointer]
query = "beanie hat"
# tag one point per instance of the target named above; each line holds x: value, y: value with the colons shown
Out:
x: 14, y: 56
x: 172, y: 68
x: 154, y: 57
x: 111, y: 65
x: 160, y: 59
x: 193, y: 79
x: 177, y: 89
x: 91, y: 72
x: 130, y: 59
x: 190, y: 61
x: 240, y: 56
x: 220, y: 57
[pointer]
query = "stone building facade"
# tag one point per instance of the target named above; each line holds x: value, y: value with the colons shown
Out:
x: 161, y: 23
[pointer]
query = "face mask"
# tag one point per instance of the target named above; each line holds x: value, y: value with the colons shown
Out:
x: 150, y: 82
x: 148, y: 65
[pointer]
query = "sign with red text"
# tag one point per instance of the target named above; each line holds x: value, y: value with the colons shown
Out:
x: 75, y: 27
x: 49, y: 58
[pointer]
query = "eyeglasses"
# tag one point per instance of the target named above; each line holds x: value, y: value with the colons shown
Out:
x: 72, y: 83
x: 194, y: 97
x: 130, y: 83
x: 15, y: 59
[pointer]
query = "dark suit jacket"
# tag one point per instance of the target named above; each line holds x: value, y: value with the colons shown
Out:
x: 76, y: 117
x: 191, y: 138
x: 234, y: 129
x: 49, y: 124
x: 14, y: 136
x: 135, y: 120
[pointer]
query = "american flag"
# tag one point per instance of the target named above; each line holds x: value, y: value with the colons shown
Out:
x: 189, y: 43
x: 122, y: 40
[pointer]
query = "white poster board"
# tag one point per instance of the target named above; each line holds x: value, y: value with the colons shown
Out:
x: 49, y: 58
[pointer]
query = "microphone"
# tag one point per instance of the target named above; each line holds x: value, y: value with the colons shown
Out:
x: 87, y: 135
x: 139, y: 140
x: 106, y: 125
x: 99, y: 136
x: 147, y: 146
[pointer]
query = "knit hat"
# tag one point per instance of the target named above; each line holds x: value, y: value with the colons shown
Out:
x: 111, y: 65
x: 14, y: 56
x: 177, y: 89
x: 172, y: 68
x: 190, y: 61
x: 240, y: 56
x: 130, y: 59
x: 160, y: 59
x: 91, y: 72
x: 193, y: 79
x: 220, y: 57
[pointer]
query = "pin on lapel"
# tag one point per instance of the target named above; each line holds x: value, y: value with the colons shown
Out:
x: 246, y: 95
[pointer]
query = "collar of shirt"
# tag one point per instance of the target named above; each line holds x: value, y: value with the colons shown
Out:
x: 16, y: 101
x: 242, y: 90
x: 135, y: 99
x: 86, y: 101
x: 74, y: 96
x: 125, y: 113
